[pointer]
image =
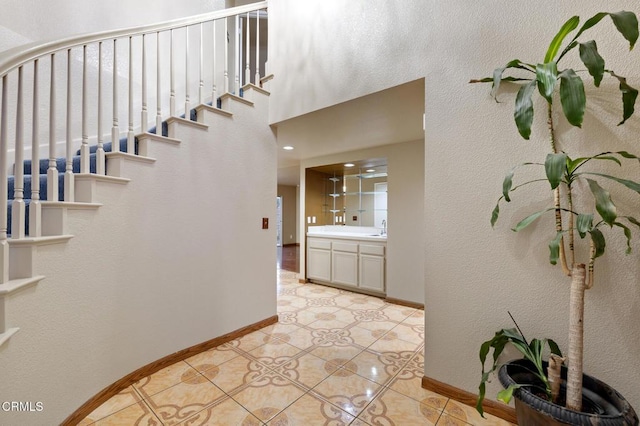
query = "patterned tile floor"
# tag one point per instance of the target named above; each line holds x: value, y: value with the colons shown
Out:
x: 334, y: 358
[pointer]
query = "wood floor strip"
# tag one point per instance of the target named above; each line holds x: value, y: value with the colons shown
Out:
x: 492, y: 407
x: 115, y: 388
x: 405, y: 303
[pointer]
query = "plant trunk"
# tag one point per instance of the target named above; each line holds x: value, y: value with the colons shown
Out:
x: 576, y: 336
x: 553, y: 372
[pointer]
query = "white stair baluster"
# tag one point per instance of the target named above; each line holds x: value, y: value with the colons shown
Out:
x: 187, y: 101
x: 100, y: 159
x: 18, y: 208
x: 247, y: 74
x: 130, y: 134
x: 144, y: 120
x: 4, y: 244
x: 257, y: 77
x: 201, y: 63
x: 172, y: 97
x: 115, y: 132
x: 52, y: 170
x: 69, y: 191
x: 158, y: 88
x: 214, y: 96
x: 84, y: 148
x: 35, y: 208
x: 226, y: 55
x: 237, y: 58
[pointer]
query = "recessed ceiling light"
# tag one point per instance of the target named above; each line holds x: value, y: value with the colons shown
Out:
x: 287, y: 148
x: 370, y: 170
x: 349, y: 165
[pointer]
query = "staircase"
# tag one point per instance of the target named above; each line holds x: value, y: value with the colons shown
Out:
x: 89, y: 238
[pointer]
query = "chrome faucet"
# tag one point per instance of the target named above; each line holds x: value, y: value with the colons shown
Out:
x: 384, y: 227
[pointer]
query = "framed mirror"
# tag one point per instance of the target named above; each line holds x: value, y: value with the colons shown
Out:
x: 352, y: 193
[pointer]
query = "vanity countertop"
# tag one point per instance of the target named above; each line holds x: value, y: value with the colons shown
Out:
x: 347, y: 233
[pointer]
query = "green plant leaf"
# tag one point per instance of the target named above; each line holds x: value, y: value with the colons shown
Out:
x: 634, y: 186
x: 573, y: 165
x: 627, y: 233
x: 592, y: 60
x: 490, y: 79
x: 598, y: 241
x: 547, y: 75
x: 505, y: 395
x: 584, y: 224
x: 554, y: 348
x: 495, y: 213
x: 587, y: 24
x: 523, y: 113
x: 555, y: 166
x: 608, y: 158
x: 507, y: 183
x: 572, y: 97
x: 629, y: 96
x: 554, y: 248
x: 536, y: 346
x: 497, y: 75
x: 514, y: 335
x: 498, y: 343
x: 530, y: 219
x: 627, y: 24
x: 633, y: 220
x: 481, y: 392
x: 625, y: 154
x: 566, y: 28
x: 604, y: 205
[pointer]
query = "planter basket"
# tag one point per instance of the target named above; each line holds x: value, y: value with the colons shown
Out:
x: 610, y: 407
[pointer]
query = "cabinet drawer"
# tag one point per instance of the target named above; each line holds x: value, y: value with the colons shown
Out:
x: 319, y: 243
x: 372, y: 249
x: 347, y: 247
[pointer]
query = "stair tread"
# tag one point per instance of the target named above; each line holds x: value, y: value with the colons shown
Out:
x: 4, y: 337
x: 19, y: 283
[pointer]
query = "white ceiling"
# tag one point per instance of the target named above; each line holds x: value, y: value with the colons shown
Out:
x: 390, y: 116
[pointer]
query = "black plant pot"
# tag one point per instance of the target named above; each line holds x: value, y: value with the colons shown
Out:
x: 608, y: 406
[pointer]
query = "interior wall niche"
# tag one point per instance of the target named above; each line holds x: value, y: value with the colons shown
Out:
x: 339, y: 194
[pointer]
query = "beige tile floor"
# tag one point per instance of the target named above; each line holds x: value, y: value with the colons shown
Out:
x: 334, y: 358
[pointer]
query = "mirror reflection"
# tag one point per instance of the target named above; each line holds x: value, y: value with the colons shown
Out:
x: 352, y: 193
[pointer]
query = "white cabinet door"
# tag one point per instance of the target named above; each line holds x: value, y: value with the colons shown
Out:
x: 344, y: 268
x: 319, y: 264
x: 372, y: 272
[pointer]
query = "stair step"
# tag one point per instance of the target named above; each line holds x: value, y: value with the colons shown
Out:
x: 27, y: 197
x: 43, y: 187
x: 61, y: 164
x: 108, y: 147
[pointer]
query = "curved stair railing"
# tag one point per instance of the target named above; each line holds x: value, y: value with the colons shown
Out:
x: 71, y: 95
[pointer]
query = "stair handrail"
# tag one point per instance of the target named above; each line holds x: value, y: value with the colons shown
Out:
x: 23, y: 54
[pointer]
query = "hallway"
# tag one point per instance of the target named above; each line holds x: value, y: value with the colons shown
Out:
x: 334, y: 358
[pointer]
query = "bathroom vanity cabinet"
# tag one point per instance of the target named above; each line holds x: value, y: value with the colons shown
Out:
x: 355, y: 261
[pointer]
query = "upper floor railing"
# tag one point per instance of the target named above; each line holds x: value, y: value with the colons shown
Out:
x: 76, y: 87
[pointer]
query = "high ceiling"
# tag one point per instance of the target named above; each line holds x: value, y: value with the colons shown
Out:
x: 390, y: 116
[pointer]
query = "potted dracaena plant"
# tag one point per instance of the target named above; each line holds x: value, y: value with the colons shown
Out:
x: 566, y: 180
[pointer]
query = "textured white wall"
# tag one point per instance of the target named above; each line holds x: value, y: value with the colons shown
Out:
x: 161, y: 266
x: 329, y: 51
x: 62, y: 18
x: 405, y: 262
